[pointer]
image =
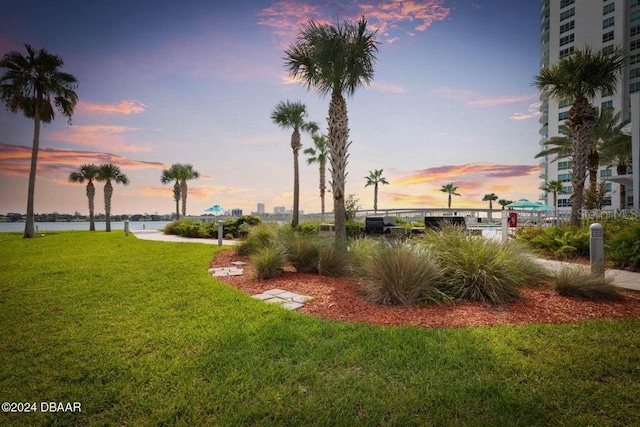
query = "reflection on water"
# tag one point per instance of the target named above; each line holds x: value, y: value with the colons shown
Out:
x: 100, y: 226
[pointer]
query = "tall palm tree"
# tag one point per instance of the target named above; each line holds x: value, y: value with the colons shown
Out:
x: 318, y: 154
x: 172, y: 175
x: 336, y: 60
x: 184, y: 172
x: 374, y: 179
x: 87, y: 173
x: 580, y: 77
x: 491, y: 197
x: 108, y: 173
x: 35, y: 85
x: 554, y: 187
x: 450, y: 189
x: 504, y: 202
x: 292, y: 115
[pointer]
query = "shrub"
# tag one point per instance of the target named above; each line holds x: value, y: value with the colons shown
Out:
x: 359, y: 251
x: 354, y: 228
x: 480, y: 269
x: 332, y: 261
x: 624, y: 248
x: 302, y: 253
x: 404, y: 274
x: 269, y: 262
x: 259, y: 236
x: 561, y: 241
x: 579, y: 282
x: 309, y: 228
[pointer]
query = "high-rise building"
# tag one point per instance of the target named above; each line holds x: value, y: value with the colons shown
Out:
x: 260, y: 209
x: 567, y: 25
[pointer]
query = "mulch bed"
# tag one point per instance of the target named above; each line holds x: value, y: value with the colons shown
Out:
x: 342, y: 299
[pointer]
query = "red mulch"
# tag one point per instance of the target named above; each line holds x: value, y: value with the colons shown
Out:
x: 341, y: 299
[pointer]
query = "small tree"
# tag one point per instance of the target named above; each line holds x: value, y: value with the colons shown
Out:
x: 491, y: 197
x: 450, y: 189
x: 109, y: 173
x: 87, y: 173
x: 374, y: 179
x: 554, y: 187
x: 352, y: 205
x: 504, y: 202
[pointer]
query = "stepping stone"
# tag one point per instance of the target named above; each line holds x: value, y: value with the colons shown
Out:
x: 274, y: 291
x: 300, y: 298
x: 262, y: 297
x: 292, y: 305
x: 238, y: 263
x: 287, y: 295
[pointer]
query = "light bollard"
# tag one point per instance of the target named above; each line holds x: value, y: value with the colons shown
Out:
x: 126, y: 227
x: 505, y: 225
x: 596, y: 249
x: 219, y: 232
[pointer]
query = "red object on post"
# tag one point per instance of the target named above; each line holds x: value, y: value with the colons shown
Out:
x: 513, y: 219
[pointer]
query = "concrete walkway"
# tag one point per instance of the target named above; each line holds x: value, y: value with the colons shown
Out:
x: 621, y: 278
x: 161, y: 237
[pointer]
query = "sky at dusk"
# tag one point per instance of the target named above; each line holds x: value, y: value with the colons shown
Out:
x: 164, y: 82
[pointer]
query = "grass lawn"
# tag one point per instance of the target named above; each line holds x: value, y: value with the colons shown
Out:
x: 139, y: 334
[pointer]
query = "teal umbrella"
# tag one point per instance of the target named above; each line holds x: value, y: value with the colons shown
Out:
x: 216, y: 210
x: 524, y: 204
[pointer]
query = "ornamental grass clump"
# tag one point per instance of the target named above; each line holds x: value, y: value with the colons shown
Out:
x: 578, y: 281
x: 332, y: 261
x: 269, y: 262
x: 258, y: 237
x: 403, y: 274
x: 359, y: 251
x: 479, y: 269
x: 302, y: 253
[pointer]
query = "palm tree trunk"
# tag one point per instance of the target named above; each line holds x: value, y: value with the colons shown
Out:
x: 176, y: 197
x: 322, y: 187
x: 449, y: 201
x: 622, y: 170
x: 108, y: 192
x: 375, y: 198
x: 29, y: 226
x: 183, y: 195
x: 338, y: 145
x: 555, y: 207
x: 581, y: 123
x: 295, y: 146
x: 91, y: 194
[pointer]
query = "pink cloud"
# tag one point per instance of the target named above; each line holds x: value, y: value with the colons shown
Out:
x: 388, y: 87
x: 474, y: 99
x: 102, y: 136
x: 470, y: 172
x: 123, y: 107
x: 531, y: 112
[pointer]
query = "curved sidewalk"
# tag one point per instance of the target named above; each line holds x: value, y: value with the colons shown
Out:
x: 161, y: 237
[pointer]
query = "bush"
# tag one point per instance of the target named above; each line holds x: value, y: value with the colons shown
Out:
x: 578, y: 282
x: 404, y: 274
x: 624, y: 248
x: 478, y: 269
x: 269, y: 262
x: 308, y: 228
x: 354, y: 229
x: 302, y: 253
x: 332, y: 261
x: 561, y: 241
x: 359, y: 251
x: 258, y: 237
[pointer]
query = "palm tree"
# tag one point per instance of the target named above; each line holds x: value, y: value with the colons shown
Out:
x: 616, y: 151
x: 172, y: 175
x: 374, y: 179
x: 504, y: 202
x: 580, y: 77
x: 292, y: 115
x: 318, y: 154
x: 450, y: 189
x: 35, y: 86
x: 554, y: 187
x: 108, y: 173
x: 337, y: 60
x: 184, y: 172
x: 87, y: 173
x: 491, y: 197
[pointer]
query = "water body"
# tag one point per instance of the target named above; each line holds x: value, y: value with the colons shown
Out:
x: 100, y: 226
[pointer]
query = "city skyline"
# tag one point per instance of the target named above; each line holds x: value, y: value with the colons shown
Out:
x: 163, y: 83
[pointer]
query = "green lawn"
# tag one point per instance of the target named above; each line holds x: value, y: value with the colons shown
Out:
x: 139, y: 334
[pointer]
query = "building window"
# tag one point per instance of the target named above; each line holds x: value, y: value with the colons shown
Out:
x: 635, y: 16
x: 609, y: 22
x: 565, y: 103
x: 607, y: 105
x: 567, y: 27
x: 563, y: 115
x: 605, y: 173
x: 634, y: 73
x: 634, y: 87
x: 565, y: 165
x: 567, y: 189
x: 635, y: 30
x: 635, y: 44
x: 608, y: 8
x: 567, y: 14
x: 607, y: 37
x: 634, y: 3
x: 567, y: 39
x: 633, y: 59
x: 607, y: 187
x: 607, y: 49
x: 563, y: 203
x: 564, y: 177
x: 565, y: 3
x: 566, y: 52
